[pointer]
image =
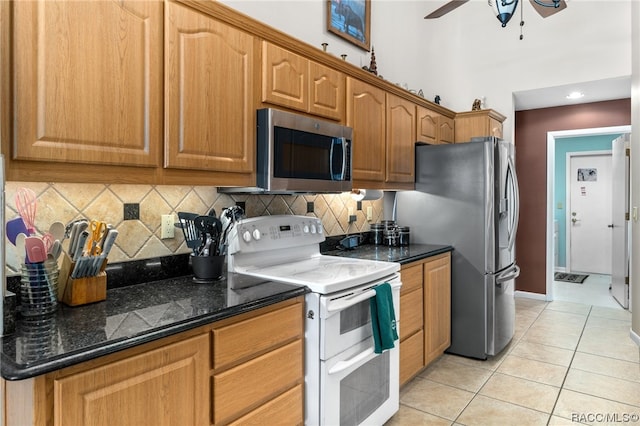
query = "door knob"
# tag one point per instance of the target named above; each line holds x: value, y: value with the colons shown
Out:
x: 574, y: 220
x: 610, y: 226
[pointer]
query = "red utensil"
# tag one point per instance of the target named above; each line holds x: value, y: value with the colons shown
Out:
x: 27, y: 204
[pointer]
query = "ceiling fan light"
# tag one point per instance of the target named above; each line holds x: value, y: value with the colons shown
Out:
x: 503, y: 9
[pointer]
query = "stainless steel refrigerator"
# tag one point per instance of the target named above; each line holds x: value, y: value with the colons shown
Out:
x: 467, y: 196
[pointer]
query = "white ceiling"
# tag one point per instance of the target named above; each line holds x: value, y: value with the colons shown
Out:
x: 594, y: 91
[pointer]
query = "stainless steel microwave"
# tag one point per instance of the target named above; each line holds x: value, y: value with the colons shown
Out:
x: 300, y: 154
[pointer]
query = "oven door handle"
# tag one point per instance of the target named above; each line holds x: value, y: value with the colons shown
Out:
x: 343, y: 365
x: 345, y: 303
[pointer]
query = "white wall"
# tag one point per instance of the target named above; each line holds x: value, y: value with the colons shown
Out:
x: 635, y: 171
x: 466, y: 54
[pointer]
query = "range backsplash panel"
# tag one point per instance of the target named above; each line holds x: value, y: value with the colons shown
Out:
x: 140, y: 238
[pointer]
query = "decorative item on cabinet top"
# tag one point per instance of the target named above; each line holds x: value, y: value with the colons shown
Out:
x: 350, y: 20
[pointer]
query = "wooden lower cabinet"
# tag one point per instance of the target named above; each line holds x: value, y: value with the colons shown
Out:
x: 173, y: 381
x: 425, y: 313
x: 165, y: 386
x: 437, y: 306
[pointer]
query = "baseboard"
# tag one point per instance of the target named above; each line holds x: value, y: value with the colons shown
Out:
x: 530, y: 295
x: 635, y: 337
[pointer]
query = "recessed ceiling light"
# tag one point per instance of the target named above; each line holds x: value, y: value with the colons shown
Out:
x: 575, y: 95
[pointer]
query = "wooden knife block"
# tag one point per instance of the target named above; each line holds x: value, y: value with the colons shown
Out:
x: 80, y: 291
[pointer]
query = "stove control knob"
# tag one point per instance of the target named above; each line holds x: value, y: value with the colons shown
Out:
x: 246, y: 236
x: 319, y: 229
x: 256, y: 234
x: 305, y: 229
x: 313, y: 229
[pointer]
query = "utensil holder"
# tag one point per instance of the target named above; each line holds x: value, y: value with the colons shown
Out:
x: 38, y: 288
x: 81, y: 291
x: 207, y: 268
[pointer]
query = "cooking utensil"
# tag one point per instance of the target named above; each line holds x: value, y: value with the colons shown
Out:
x: 98, y: 230
x: 57, y: 229
x: 209, y: 227
x: 14, y: 227
x: 191, y: 235
x: 55, y: 250
x: 36, y: 251
x: 20, y: 245
x: 26, y: 203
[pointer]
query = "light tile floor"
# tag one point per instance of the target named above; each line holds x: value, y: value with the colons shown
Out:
x: 568, y: 363
x: 593, y: 291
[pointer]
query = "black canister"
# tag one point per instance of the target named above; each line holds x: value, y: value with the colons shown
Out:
x: 377, y: 230
x: 403, y: 236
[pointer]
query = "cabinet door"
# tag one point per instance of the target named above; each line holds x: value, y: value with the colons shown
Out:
x: 437, y: 306
x: 165, y: 386
x: 326, y: 92
x: 366, y: 112
x: 210, y: 116
x: 427, y: 125
x: 284, y: 77
x: 88, y: 81
x: 401, y: 137
x: 446, y: 130
x: 495, y: 127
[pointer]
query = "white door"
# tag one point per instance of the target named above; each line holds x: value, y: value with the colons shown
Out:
x: 620, y: 220
x: 590, y: 213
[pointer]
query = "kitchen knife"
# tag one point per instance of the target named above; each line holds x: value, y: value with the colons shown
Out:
x: 106, y: 248
x: 79, y: 245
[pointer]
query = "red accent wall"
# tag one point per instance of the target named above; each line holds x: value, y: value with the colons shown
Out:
x: 531, y: 129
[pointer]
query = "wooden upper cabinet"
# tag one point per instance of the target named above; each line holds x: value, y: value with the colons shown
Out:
x: 284, y: 77
x: 428, y: 123
x: 401, y: 138
x: 366, y: 114
x: 295, y: 82
x: 432, y: 127
x: 472, y: 124
x: 88, y: 81
x: 326, y: 92
x: 446, y: 130
x: 209, y: 110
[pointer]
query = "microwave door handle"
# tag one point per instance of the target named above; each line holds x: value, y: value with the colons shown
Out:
x: 343, y: 365
x: 343, y: 172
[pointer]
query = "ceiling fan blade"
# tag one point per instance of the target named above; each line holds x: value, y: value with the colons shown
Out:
x: 448, y: 7
x: 548, y: 11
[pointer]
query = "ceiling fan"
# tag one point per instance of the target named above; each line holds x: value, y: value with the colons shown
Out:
x: 505, y: 8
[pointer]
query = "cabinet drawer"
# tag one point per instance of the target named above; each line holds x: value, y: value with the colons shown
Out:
x: 286, y: 408
x: 257, y: 381
x: 410, y: 313
x: 411, y: 356
x: 411, y: 278
x: 238, y: 342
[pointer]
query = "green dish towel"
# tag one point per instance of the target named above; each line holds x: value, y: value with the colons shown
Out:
x: 383, y: 318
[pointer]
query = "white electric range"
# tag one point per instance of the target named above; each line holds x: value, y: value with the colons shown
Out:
x: 345, y: 381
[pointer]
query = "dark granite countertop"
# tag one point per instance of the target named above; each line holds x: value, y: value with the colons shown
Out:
x: 130, y: 316
x: 402, y: 255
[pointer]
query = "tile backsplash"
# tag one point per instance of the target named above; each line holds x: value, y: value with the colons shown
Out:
x: 140, y: 238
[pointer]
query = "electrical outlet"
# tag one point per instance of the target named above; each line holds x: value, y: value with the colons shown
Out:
x: 166, y: 226
x: 369, y: 213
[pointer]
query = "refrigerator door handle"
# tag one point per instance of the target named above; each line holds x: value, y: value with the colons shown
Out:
x: 508, y: 275
x: 516, y: 194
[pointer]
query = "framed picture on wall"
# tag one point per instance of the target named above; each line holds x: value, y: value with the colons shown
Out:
x: 351, y: 20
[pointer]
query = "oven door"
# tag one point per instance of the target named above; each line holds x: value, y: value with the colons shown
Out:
x: 360, y: 387
x: 346, y: 318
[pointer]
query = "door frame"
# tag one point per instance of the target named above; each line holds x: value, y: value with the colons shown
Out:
x: 551, y: 162
x: 567, y: 200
